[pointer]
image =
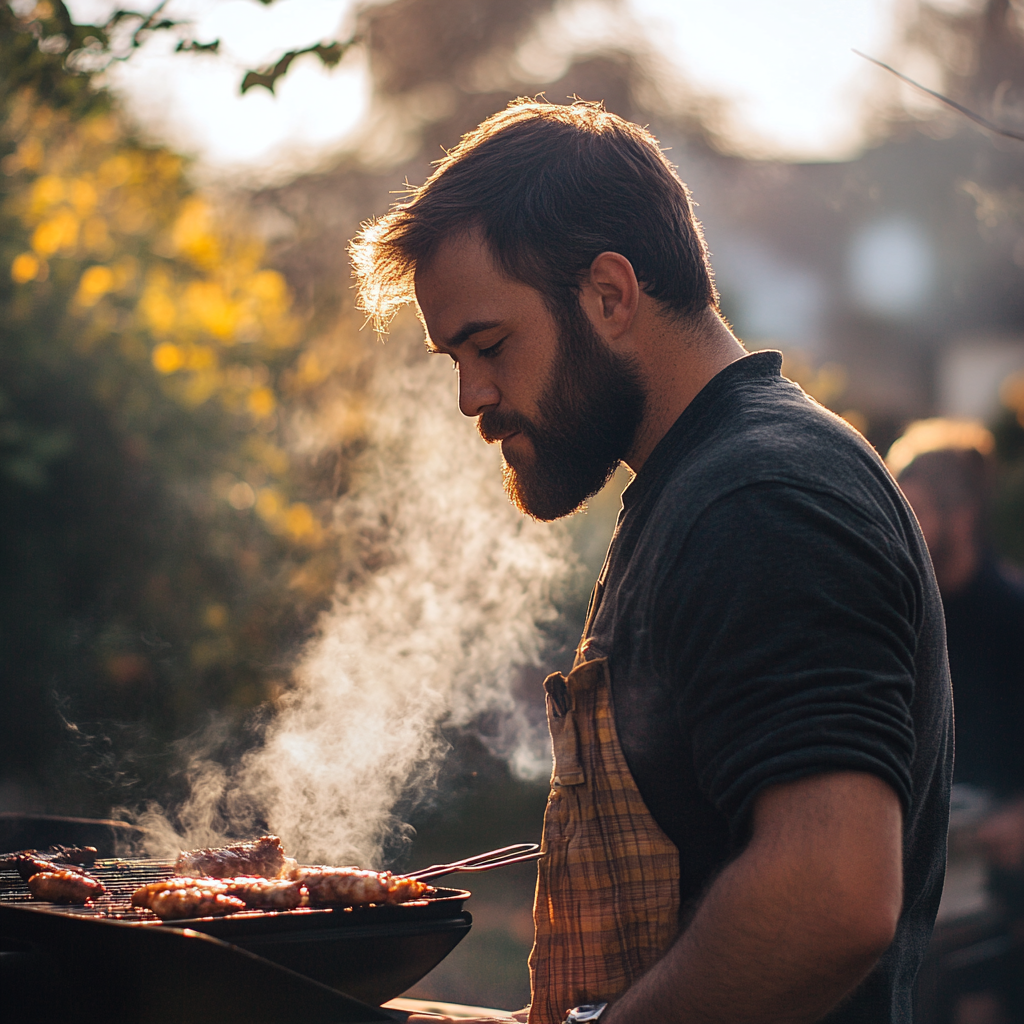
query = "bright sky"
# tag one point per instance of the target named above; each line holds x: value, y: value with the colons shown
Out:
x: 794, y: 87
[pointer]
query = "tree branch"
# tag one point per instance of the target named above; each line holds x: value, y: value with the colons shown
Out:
x: 976, y: 118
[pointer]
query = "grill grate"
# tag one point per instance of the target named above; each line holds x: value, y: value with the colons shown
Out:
x: 121, y: 878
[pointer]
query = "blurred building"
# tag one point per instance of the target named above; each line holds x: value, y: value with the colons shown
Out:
x: 905, y: 265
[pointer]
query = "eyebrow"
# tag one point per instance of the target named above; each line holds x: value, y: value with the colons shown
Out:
x: 465, y: 332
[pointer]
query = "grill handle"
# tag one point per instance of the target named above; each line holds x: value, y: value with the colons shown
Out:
x: 515, y: 854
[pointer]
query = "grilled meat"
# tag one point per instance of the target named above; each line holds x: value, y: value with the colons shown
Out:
x: 265, y: 893
x: 30, y: 862
x: 262, y: 857
x: 193, y: 901
x: 352, y: 887
x: 27, y: 865
x: 255, y: 893
x: 60, y: 885
x: 69, y: 854
x: 403, y: 889
x: 144, y: 895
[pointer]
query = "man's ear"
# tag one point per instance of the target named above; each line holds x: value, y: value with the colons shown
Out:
x: 610, y: 295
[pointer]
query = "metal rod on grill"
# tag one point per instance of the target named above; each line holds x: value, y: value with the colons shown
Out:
x: 515, y: 854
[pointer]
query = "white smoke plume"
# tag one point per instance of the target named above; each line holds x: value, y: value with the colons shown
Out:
x: 435, y: 634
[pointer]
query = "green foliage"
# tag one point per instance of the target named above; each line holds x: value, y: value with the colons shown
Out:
x: 159, y: 559
x: 330, y: 55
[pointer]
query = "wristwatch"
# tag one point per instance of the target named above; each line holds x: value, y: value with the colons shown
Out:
x: 585, y: 1014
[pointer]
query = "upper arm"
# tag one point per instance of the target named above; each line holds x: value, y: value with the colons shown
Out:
x: 793, y: 647
x: 833, y: 843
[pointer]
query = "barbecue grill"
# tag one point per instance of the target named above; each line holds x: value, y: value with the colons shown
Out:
x: 108, y: 961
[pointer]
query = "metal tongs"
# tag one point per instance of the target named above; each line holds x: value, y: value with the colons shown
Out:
x: 481, y: 862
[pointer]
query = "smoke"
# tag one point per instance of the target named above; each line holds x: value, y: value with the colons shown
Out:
x: 463, y: 595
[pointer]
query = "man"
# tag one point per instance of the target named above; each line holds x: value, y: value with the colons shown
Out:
x: 945, y: 469
x: 752, y: 752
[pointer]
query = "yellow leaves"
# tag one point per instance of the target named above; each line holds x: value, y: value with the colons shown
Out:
x: 268, y: 455
x: 94, y: 284
x: 261, y: 403
x: 206, y: 304
x: 192, y: 235
x: 299, y: 523
x: 27, y: 157
x: 270, y: 504
x: 114, y: 171
x: 57, y: 233
x: 100, y: 128
x: 157, y: 307
x: 295, y: 521
x: 46, y: 193
x: 168, y: 358
x: 28, y: 267
x: 83, y: 197
x: 269, y: 287
x: 95, y: 237
x: 98, y: 280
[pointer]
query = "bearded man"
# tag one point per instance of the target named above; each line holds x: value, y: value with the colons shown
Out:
x: 752, y: 751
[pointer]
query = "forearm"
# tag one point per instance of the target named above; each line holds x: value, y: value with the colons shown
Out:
x: 780, y: 938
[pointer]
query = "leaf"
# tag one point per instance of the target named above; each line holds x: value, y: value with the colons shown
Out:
x: 330, y: 55
x: 191, y: 46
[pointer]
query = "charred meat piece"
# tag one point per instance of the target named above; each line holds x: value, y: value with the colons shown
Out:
x: 70, y: 854
x: 193, y: 901
x: 352, y: 887
x: 27, y: 865
x: 265, y: 893
x: 30, y: 862
x: 263, y: 857
x: 62, y: 886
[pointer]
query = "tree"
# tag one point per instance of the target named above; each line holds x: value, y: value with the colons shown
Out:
x: 159, y: 559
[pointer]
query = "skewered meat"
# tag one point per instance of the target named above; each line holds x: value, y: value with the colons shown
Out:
x: 352, y: 887
x: 193, y: 901
x: 263, y: 857
x: 63, y: 886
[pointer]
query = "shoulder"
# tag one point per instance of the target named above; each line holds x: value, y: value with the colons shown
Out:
x: 767, y: 431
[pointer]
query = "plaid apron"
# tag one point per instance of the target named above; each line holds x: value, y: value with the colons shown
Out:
x: 607, y: 902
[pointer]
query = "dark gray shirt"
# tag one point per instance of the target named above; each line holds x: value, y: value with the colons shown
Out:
x: 769, y: 611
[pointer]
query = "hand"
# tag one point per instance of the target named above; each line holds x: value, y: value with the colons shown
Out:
x: 1002, y: 837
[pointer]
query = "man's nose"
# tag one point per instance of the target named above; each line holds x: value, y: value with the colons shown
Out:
x: 476, y: 392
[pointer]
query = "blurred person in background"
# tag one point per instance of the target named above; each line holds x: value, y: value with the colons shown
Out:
x: 753, y: 749
x: 945, y: 469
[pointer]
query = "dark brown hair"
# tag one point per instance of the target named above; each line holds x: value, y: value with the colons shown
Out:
x: 551, y: 187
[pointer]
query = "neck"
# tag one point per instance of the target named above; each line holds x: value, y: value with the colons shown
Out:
x: 677, y: 361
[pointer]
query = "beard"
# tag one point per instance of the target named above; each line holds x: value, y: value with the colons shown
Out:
x: 586, y: 423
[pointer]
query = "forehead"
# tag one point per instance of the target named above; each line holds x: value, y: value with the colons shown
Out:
x: 461, y: 285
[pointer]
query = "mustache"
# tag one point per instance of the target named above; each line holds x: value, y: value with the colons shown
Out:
x: 494, y: 424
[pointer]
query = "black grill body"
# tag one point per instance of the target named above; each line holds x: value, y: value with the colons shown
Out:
x: 368, y: 953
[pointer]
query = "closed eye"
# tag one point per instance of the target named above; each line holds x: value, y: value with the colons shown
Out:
x: 492, y: 350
